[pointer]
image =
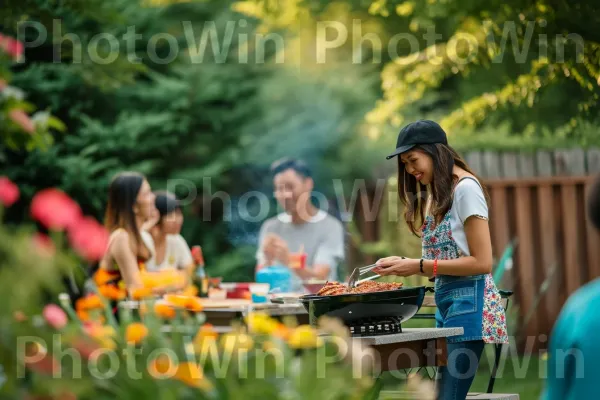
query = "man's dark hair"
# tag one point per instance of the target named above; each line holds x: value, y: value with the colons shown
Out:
x: 594, y: 203
x: 291, y: 163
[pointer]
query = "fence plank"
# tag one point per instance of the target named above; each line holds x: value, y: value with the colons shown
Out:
x: 593, y: 161
x: 544, y: 163
x: 510, y: 166
x: 570, y: 238
x: 569, y: 162
x: 491, y: 163
x: 499, y: 220
x: 549, y: 255
x: 527, y: 165
x: 593, y: 243
x: 473, y: 159
x: 525, y: 257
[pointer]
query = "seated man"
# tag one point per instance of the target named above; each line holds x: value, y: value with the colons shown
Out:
x: 302, y: 228
x: 573, y: 368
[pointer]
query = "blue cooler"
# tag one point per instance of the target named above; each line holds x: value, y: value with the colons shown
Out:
x: 278, y: 277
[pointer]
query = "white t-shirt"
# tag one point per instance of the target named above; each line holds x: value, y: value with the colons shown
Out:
x: 177, y: 254
x: 469, y: 201
x: 322, y: 239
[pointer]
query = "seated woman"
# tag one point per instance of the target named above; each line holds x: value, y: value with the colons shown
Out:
x: 170, y: 248
x: 130, y: 205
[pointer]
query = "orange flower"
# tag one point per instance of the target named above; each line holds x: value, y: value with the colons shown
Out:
x: 141, y: 293
x: 112, y: 292
x: 142, y: 309
x: 161, y: 367
x: 83, y: 315
x: 177, y: 300
x: 281, y: 331
x: 90, y: 302
x: 191, y: 374
x: 194, y: 304
x: 191, y: 303
x: 164, y: 311
x: 150, y: 279
x: 205, y: 339
x: 19, y: 316
x: 136, y: 332
x: 102, y: 277
x: 206, y: 330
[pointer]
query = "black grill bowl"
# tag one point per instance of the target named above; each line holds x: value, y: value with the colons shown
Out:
x: 403, y: 303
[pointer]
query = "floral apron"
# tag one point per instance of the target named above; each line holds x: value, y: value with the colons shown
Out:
x: 470, y: 302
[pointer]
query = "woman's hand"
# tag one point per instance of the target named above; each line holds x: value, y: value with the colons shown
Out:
x: 399, y: 266
x: 151, y: 221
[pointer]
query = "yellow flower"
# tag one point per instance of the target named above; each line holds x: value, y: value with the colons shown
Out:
x: 136, y: 332
x: 304, y: 337
x: 268, y: 345
x: 262, y: 323
x: 205, y: 339
x: 191, y: 303
x: 190, y: 291
x: 106, y: 342
x: 234, y: 342
x: 205, y: 345
x: 191, y: 374
x: 103, y: 334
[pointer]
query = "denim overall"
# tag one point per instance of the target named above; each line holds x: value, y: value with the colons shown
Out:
x: 470, y: 302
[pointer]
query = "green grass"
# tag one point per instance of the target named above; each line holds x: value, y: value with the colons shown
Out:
x: 519, y: 374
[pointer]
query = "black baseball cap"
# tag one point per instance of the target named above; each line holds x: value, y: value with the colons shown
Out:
x: 420, y: 132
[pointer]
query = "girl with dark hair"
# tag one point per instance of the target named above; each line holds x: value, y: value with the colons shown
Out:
x: 446, y: 206
x: 170, y: 248
x: 130, y: 206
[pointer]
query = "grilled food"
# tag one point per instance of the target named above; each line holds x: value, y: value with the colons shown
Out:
x: 337, y: 288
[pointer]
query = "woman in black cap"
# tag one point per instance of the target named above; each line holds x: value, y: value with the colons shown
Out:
x: 446, y: 206
x: 171, y: 251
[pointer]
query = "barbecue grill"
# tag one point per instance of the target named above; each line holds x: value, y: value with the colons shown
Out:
x: 373, y: 313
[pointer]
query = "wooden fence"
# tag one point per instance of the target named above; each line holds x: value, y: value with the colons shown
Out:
x: 539, y: 200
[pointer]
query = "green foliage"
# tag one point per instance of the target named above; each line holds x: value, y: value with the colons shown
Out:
x: 542, y: 80
x: 214, y: 125
x: 265, y: 360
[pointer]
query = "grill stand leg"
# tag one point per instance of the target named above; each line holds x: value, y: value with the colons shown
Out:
x: 498, y: 349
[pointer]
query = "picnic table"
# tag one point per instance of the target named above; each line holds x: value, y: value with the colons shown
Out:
x: 412, y: 348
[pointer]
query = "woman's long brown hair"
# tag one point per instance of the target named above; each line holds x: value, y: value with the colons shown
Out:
x: 122, y: 196
x: 414, y: 197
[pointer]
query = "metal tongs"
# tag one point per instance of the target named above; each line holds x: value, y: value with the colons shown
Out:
x: 357, y: 272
